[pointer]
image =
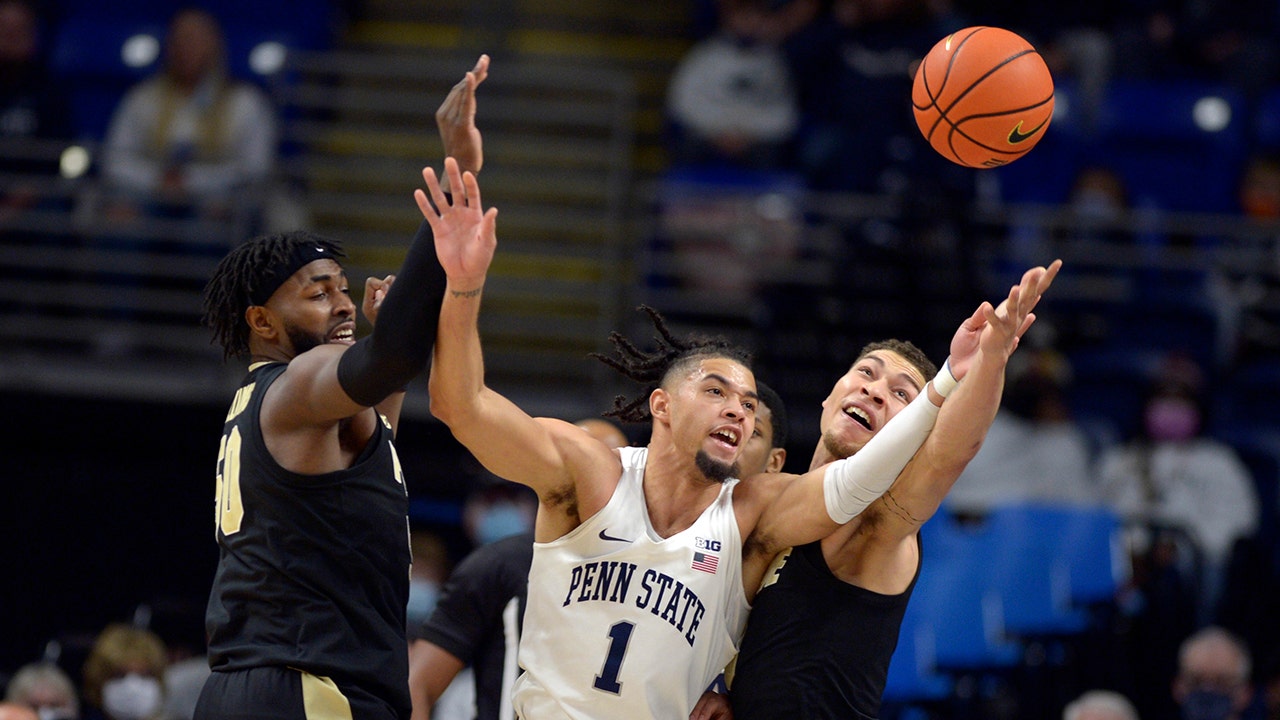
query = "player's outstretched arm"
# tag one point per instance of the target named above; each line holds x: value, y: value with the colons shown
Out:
x: 547, y: 455
x: 814, y: 504
x: 969, y: 411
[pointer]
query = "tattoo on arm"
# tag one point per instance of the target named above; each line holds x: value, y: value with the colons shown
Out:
x: 467, y: 293
x: 896, y: 508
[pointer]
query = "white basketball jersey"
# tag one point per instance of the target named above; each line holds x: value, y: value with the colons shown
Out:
x: 622, y: 624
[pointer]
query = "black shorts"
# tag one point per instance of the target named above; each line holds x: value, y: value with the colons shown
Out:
x: 282, y: 693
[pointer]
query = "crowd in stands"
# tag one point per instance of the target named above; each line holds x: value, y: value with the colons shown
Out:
x: 814, y: 90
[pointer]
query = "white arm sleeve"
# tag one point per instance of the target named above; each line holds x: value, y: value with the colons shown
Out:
x: 851, y: 484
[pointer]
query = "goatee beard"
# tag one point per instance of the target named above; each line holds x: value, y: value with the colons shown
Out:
x: 713, y: 470
x: 302, y: 341
x: 835, y: 448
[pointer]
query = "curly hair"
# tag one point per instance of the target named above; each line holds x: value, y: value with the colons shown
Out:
x: 912, y: 354
x: 244, y: 273
x: 652, y: 369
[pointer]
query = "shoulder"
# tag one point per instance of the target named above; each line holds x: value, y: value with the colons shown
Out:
x: 753, y: 494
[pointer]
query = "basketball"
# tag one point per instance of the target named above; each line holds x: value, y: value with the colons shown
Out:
x: 983, y: 97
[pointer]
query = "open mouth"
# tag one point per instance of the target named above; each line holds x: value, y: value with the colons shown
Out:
x: 859, y: 416
x: 727, y: 436
x: 343, y: 334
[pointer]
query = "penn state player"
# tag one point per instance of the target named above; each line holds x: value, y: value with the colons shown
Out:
x: 646, y: 558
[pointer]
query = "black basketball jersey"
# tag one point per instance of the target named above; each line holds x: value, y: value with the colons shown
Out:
x: 479, y: 615
x: 313, y: 570
x: 815, y: 647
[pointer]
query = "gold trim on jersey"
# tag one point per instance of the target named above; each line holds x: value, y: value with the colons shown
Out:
x: 322, y: 700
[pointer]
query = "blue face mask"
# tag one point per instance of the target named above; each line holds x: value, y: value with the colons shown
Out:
x: 1207, y: 705
x: 422, y: 600
x: 501, y: 520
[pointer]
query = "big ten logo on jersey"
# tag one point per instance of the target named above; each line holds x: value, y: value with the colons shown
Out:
x: 705, y: 544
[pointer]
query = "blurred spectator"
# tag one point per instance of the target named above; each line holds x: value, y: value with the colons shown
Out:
x: 1074, y: 39
x: 604, y: 431
x: 32, y: 108
x: 1100, y: 705
x: 427, y: 574
x: 498, y: 509
x: 14, y: 711
x: 1173, y: 477
x: 123, y: 676
x: 191, y: 135
x: 854, y: 67
x: 1259, y: 193
x: 1034, y: 451
x: 1213, y: 676
x: 731, y: 98
x: 45, y: 688
x: 1224, y: 42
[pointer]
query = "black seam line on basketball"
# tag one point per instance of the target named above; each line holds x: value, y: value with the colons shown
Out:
x: 942, y: 113
x: 933, y: 99
x: 955, y: 127
x: 985, y: 75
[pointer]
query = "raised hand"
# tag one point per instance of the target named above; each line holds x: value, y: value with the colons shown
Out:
x: 375, y: 291
x: 465, y: 235
x: 456, y: 120
x: 1016, y: 308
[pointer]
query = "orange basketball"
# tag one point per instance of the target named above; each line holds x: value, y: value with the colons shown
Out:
x: 983, y: 97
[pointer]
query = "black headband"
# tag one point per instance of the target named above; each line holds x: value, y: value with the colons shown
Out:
x: 275, y: 276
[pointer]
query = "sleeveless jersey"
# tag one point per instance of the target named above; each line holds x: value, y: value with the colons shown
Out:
x: 313, y: 570
x: 816, y: 647
x: 622, y: 624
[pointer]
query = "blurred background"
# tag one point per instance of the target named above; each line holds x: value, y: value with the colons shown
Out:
x: 747, y: 167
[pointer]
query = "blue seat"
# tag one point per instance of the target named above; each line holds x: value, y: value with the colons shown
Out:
x: 913, y: 672
x: 1266, y: 122
x: 953, y: 596
x: 1045, y: 174
x: 1030, y: 572
x: 98, y: 58
x: 1179, y: 145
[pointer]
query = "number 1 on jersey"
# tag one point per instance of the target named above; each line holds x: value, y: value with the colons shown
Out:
x: 619, y: 637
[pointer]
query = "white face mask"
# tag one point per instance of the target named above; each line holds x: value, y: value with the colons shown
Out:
x: 132, y: 697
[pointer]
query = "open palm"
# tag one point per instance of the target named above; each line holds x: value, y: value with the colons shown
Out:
x: 465, y: 235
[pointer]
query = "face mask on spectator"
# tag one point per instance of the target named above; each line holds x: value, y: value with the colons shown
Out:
x: 1206, y: 705
x: 1172, y: 419
x: 132, y: 697
x: 501, y: 520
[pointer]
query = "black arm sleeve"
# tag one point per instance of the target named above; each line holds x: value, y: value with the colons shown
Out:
x: 400, y: 346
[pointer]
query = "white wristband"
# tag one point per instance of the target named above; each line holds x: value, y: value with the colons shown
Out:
x: 851, y: 484
x: 944, y: 382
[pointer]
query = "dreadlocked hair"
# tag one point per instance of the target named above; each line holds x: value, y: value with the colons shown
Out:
x: 651, y: 369
x: 240, y: 274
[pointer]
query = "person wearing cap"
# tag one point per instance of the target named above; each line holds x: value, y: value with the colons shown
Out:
x: 306, y: 616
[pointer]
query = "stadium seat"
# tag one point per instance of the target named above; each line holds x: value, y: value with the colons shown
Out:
x: 913, y: 675
x: 1030, y: 571
x: 1046, y: 173
x: 98, y: 59
x: 1180, y: 145
x: 953, y: 598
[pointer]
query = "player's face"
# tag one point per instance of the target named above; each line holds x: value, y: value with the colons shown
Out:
x: 713, y: 411
x: 878, y: 386
x: 317, y: 306
x: 759, y: 451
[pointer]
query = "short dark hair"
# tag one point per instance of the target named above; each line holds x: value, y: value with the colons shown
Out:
x: 244, y: 273
x: 653, y: 368
x: 777, y: 413
x: 912, y: 354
